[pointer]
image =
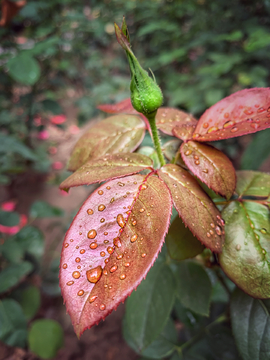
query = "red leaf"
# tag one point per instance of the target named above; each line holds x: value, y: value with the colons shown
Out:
x: 211, y: 166
x: 123, y: 106
x: 109, y: 167
x: 244, y: 112
x: 175, y: 122
x: 194, y: 207
x: 119, y: 133
x: 103, y: 261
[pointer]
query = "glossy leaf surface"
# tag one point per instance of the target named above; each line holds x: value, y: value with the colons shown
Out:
x: 124, y: 107
x: 193, y: 287
x: 175, y: 122
x: 120, y: 133
x: 246, y: 255
x: 244, y: 112
x: 194, y: 207
x: 251, y: 326
x: 211, y: 166
x: 109, y: 167
x: 181, y: 243
x: 111, y: 245
x: 149, y: 307
x: 252, y: 183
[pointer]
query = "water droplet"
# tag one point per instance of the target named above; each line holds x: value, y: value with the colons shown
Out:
x: 69, y: 283
x: 248, y: 112
x: 141, y: 210
x: 196, y: 136
x: 119, y: 257
x: 205, y: 125
x: 205, y: 171
x: 92, y: 234
x: 212, y: 129
x: 235, y: 211
x: 127, y: 264
x: 92, y: 298
x: 66, y: 245
x: 76, y: 274
x: 71, y: 240
x: 64, y: 266
x: 255, y: 126
x: 101, y: 207
x: 79, y: 266
x: 94, y: 275
x: 252, y: 225
x: 113, y: 268
x: 263, y: 231
x: 120, y: 220
x: 80, y: 293
x: 144, y: 187
x: 77, y: 259
x: 238, y: 247
x: 212, y: 225
x: 226, y: 115
x: 90, y: 212
x: 105, y: 272
x: 211, y: 232
x: 133, y: 238
x: 93, y: 245
x: 263, y: 251
x: 234, y: 129
x: 102, y: 253
x: 208, y: 234
x: 261, y: 109
x: 122, y: 277
x: 228, y: 124
x: 100, y: 192
x: 188, y: 152
x: 117, y: 242
x: 110, y: 249
x: 143, y: 255
x: 197, y: 162
x: 134, y: 222
x: 82, y: 251
x: 105, y: 233
x: 102, y: 220
x: 218, y: 230
x: 102, y: 307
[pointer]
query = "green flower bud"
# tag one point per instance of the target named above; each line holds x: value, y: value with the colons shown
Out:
x: 146, y: 95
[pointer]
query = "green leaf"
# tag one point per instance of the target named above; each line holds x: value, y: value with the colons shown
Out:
x: 246, y: 254
x: 30, y: 301
x: 161, y: 347
x: 13, y: 324
x: 252, y: 183
x: 42, y: 209
x: 9, y: 143
x: 251, y: 326
x: 9, y: 218
x: 149, y: 307
x: 189, y: 318
x: 45, y: 338
x: 193, y: 287
x: 24, y: 69
x: 180, y: 241
x: 12, y: 274
x: 257, y: 152
x: 12, y: 250
x: 31, y: 240
x: 52, y: 106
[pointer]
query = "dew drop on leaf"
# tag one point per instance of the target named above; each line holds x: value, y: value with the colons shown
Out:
x: 133, y: 238
x: 82, y: 251
x: 122, y: 277
x: 70, y: 283
x: 100, y: 192
x: 263, y: 231
x: 117, y: 242
x: 90, y: 212
x: 92, y: 298
x: 127, y: 264
x: 80, y: 293
x: 93, y: 245
x: 110, y: 249
x: 102, y: 307
x: 94, y: 275
x: 92, y: 234
x: 76, y: 274
x: 120, y: 220
x: 64, y: 266
x: 113, y: 268
x: 101, y: 207
x: 102, y: 253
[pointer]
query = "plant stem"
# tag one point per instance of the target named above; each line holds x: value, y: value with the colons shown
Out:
x: 152, y: 121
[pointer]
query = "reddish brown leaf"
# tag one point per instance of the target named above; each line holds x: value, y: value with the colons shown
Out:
x: 244, y: 112
x: 194, y: 207
x: 109, y: 167
x: 124, y: 106
x: 120, y: 133
x: 111, y: 245
x: 211, y: 166
x: 175, y: 122
x: 9, y: 10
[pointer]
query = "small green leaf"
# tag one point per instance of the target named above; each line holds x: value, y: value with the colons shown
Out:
x: 13, y: 324
x: 30, y: 301
x: 251, y: 326
x: 45, y: 338
x: 24, y: 69
x: 31, y: 240
x: 149, y: 307
x: 51, y: 106
x: 193, y: 287
x: 180, y: 241
x: 9, y: 143
x: 41, y: 209
x: 9, y: 218
x: 252, y: 183
x: 12, y: 250
x: 246, y: 253
x: 12, y: 274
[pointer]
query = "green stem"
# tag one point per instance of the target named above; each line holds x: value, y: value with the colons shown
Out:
x: 152, y: 121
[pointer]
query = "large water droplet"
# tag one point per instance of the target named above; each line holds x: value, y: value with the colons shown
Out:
x: 228, y: 124
x: 93, y: 245
x: 110, y: 249
x: 117, y: 242
x: 94, y: 275
x: 234, y: 129
x: 120, y: 220
x: 92, y: 234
